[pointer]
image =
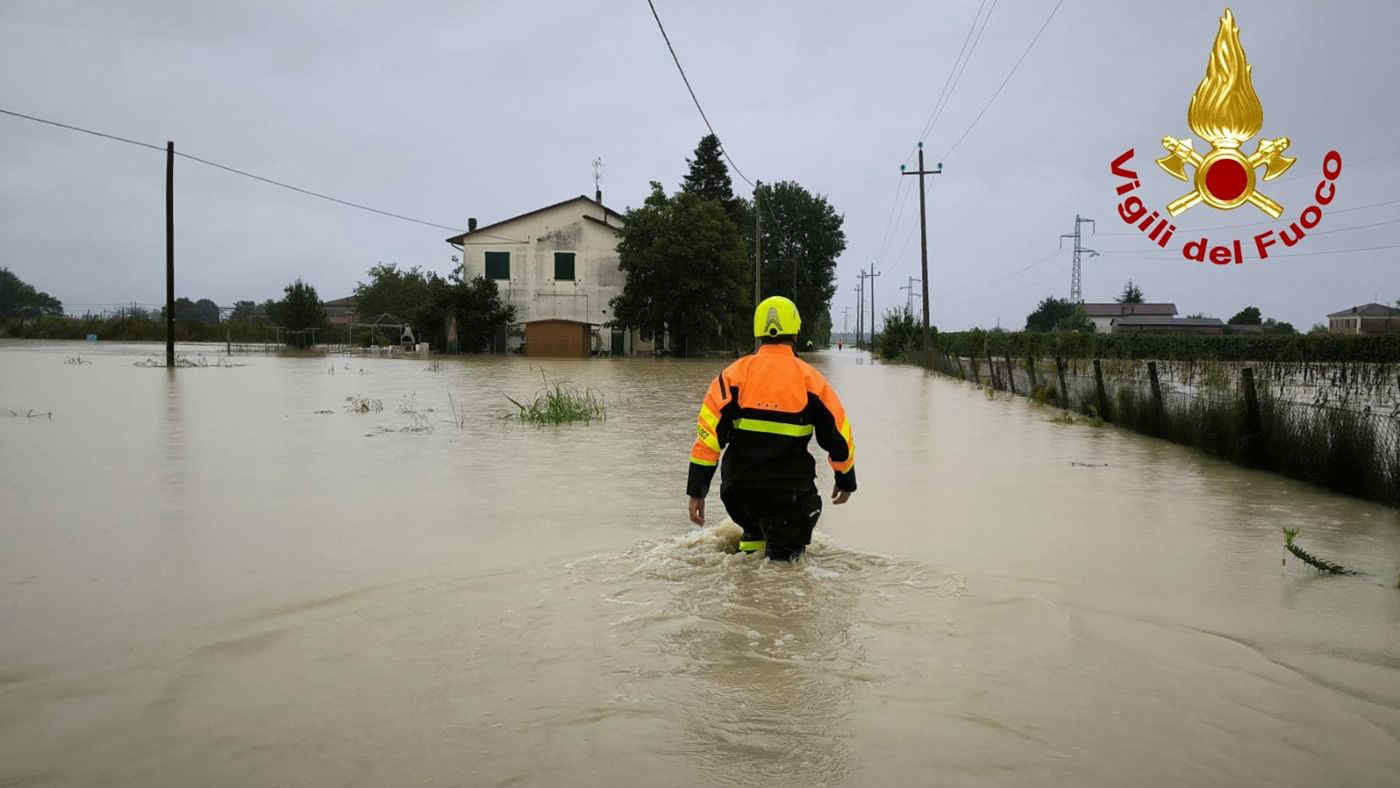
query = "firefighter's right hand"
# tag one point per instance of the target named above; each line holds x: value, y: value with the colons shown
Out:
x: 697, y: 510
x: 840, y: 496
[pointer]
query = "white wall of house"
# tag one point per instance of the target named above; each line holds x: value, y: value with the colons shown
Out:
x: 1102, y: 325
x: 532, y: 288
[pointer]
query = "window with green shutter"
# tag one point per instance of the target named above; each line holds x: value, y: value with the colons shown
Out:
x: 564, y: 266
x: 498, y: 265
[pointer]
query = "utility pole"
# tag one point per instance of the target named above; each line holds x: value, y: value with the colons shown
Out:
x: 873, y: 273
x: 860, y: 308
x: 923, y: 244
x: 170, y: 255
x: 757, y: 246
x: 845, y: 319
x: 1076, y: 293
x: 909, y: 294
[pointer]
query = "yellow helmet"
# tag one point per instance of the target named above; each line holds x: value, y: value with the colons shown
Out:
x: 776, y: 316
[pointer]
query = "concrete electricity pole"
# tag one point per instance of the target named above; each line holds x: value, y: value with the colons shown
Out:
x: 757, y: 246
x: 860, y: 308
x: 873, y: 273
x: 923, y: 244
x: 1076, y: 294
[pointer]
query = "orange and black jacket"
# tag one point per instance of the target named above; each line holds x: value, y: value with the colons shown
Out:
x: 760, y: 412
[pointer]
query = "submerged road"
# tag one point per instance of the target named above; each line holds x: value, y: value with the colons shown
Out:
x: 207, y: 581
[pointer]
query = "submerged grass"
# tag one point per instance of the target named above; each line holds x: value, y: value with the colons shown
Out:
x: 1320, y: 564
x: 561, y: 403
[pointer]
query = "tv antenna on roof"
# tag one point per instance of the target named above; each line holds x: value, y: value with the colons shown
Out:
x: 597, y: 173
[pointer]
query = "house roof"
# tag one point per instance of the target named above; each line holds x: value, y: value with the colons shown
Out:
x: 347, y: 302
x: 1368, y: 310
x: 1116, y: 309
x: 1157, y: 320
x: 457, y: 240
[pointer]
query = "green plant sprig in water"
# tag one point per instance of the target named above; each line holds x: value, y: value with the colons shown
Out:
x: 1289, y: 534
x: 561, y: 404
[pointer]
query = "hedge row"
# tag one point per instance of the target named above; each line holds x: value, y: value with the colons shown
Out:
x: 1320, y: 348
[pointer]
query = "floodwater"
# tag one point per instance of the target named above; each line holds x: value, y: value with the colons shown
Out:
x: 207, y: 582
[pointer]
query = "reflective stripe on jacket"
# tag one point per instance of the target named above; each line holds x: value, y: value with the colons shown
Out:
x: 760, y: 412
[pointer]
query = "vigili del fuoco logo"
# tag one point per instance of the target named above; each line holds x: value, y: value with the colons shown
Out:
x: 1225, y: 113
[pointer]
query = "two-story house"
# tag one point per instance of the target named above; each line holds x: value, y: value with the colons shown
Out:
x: 558, y: 266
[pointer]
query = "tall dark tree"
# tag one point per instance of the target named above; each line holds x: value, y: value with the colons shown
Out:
x: 19, y: 299
x: 1048, y: 314
x: 685, y: 266
x: 1132, y: 294
x: 708, y: 176
x: 476, y: 307
x: 405, y: 294
x: 243, y: 310
x: 802, y: 237
x: 300, y: 309
x: 1249, y: 316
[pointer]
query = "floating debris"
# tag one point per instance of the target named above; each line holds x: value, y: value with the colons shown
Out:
x: 363, y: 405
x: 181, y: 362
x: 1088, y: 464
x: 324, y: 412
x: 31, y: 413
x: 1319, y: 564
x: 77, y: 361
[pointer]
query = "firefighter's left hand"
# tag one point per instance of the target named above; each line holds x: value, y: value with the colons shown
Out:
x: 840, y: 496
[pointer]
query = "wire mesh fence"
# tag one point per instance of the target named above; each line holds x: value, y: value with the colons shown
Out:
x: 1333, y: 424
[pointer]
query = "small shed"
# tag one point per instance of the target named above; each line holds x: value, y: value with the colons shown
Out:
x: 557, y: 338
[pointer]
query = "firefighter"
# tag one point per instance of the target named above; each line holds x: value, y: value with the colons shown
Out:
x: 760, y: 412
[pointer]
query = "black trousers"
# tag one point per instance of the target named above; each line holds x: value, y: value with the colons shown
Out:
x: 784, y: 519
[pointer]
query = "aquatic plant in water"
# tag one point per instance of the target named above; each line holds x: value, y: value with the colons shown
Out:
x: 363, y: 405
x: 561, y: 404
x: 1308, y: 558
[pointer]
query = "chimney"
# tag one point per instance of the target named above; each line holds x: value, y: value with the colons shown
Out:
x: 471, y: 225
x: 598, y: 196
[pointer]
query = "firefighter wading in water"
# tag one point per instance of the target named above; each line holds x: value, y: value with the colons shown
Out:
x: 760, y: 412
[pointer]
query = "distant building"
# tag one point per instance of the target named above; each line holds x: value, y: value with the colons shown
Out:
x: 1365, y: 319
x: 341, y: 311
x: 558, y: 266
x: 1177, y: 325
x: 1102, y: 315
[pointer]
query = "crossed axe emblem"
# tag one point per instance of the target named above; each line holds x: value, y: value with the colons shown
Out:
x: 1269, y: 154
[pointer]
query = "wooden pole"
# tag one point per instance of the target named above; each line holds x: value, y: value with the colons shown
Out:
x: 1103, y: 396
x: 1030, y: 371
x: 170, y: 254
x: 1253, y: 424
x: 1064, y: 387
x: 1158, y: 410
x: 1010, y: 374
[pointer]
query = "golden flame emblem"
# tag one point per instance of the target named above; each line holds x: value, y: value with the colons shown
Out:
x: 1225, y: 112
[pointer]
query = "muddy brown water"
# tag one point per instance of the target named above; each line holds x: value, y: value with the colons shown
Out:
x: 205, y: 581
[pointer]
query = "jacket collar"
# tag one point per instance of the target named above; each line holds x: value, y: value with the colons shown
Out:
x: 779, y: 348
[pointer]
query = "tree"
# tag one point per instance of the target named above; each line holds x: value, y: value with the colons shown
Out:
x: 684, y: 261
x: 1132, y: 294
x: 802, y: 237
x: 1077, y: 320
x: 299, y: 309
x: 1272, y: 326
x: 476, y: 306
x: 1249, y: 316
x: 20, y: 299
x: 1318, y: 328
x: 243, y: 310
x: 1048, y: 314
x: 407, y: 295
x: 708, y: 176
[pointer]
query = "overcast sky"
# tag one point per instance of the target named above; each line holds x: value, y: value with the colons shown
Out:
x: 444, y: 110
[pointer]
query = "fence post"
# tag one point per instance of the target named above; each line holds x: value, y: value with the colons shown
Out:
x: 1064, y: 388
x: 992, y: 369
x: 1159, y: 412
x: 976, y: 376
x: 1253, y: 426
x: 1098, y: 385
x: 1030, y: 370
x: 1010, y: 374
x: 957, y: 358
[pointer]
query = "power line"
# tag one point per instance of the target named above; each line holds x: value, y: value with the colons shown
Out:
x: 236, y: 171
x: 686, y: 80
x: 1009, y: 74
x: 955, y: 74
